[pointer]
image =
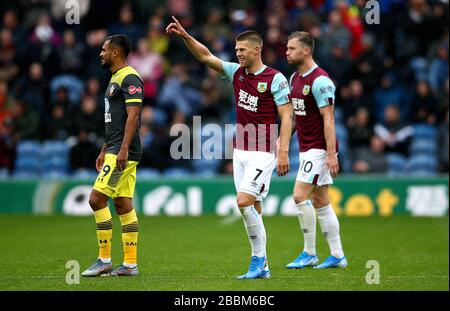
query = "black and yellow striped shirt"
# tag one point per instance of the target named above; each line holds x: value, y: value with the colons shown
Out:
x: 124, y: 89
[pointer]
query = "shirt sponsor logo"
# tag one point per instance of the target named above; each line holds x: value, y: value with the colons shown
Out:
x: 248, y: 101
x: 107, y: 114
x: 133, y: 90
x: 262, y: 87
x: 299, y: 106
x: 283, y: 85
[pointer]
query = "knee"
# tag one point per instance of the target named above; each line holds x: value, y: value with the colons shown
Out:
x: 319, y: 202
x: 299, y: 197
x: 244, y: 201
x: 95, y: 202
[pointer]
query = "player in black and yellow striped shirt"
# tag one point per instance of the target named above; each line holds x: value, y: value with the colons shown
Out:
x: 118, y: 159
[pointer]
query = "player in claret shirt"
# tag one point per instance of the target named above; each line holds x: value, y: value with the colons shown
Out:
x: 312, y: 93
x: 261, y: 94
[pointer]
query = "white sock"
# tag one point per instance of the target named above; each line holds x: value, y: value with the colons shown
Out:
x: 263, y: 236
x: 129, y: 265
x: 253, y: 225
x: 105, y: 260
x: 307, y: 218
x: 330, y: 228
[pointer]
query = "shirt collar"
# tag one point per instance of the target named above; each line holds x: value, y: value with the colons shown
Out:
x: 120, y: 69
x: 258, y: 71
x: 309, y: 71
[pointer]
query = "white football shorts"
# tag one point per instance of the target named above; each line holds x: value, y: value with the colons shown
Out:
x: 252, y: 171
x: 313, y: 168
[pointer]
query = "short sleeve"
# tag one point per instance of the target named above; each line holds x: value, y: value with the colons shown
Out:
x: 280, y: 89
x: 323, y: 90
x: 133, y: 90
x: 229, y: 70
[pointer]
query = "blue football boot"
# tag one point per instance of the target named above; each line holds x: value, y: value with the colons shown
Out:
x: 257, y: 269
x: 303, y: 260
x: 333, y: 262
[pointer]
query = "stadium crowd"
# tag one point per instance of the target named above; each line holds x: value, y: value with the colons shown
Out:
x: 392, y: 78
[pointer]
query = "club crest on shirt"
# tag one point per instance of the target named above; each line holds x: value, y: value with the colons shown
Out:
x: 305, y: 90
x: 111, y: 90
x: 262, y: 87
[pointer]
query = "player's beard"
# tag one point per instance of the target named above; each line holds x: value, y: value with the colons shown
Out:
x: 105, y: 64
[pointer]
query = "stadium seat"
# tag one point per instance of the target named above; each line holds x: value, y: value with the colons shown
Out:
x: 55, y: 162
x: 422, y: 165
x: 424, y: 131
x: 28, y: 147
x: 54, y: 174
x: 20, y: 174
x: 147, y: 173
x: 55, y: 148
x: 4, y: 173
x: 85, y: 174
x: 423, y: 146
x: 28, y: 163
x: 177, y: 172
x: 206, y: 173
x: 201, y: 165
x: 396, y: 164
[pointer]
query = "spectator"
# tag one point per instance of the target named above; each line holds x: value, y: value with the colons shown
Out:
x: 367, y: 67
x: 150, y: 68
x: 360, y: 129
x: 370, y: 160
x: 93, y: 90
x: 6, y: 102
x: 8, y: 58
x: 58, y: 125
x: 10, y: 22
x: 395, y: 133
x: 72, y: 83
x: 92, y: 66
x: 178, y: 94
x: 424, y: 106
x: 391, y: 93
x: 126, y: 25
x: 70, y: 54
x: 32, y: 89
x: 439, y: 68
x: 25, y: 122
x: 338, y: 64
x: 84, y: 153
x: 157, y: 38
x: 88, y: 117
x: 335, y: 33
x: 7, y: 147
x: 44, y: 41
x: 62, y: 98
x: 355, y: 99
x: 443, y: 145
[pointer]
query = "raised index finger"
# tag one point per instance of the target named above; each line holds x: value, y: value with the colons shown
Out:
x: 176, y: 20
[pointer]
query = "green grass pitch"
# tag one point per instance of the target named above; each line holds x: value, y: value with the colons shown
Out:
x: 207, y: 253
